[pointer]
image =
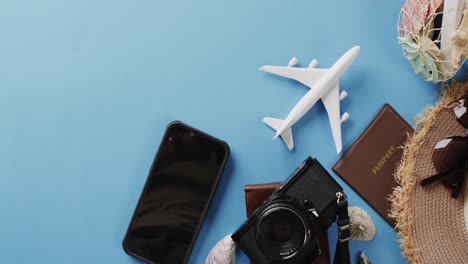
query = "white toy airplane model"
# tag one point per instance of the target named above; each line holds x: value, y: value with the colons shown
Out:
x: 323, y: 84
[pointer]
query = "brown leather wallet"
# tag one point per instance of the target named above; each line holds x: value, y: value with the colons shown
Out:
x: 369, y: 163
x: 256, y: 194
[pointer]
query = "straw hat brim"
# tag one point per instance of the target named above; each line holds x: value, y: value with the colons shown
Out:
x: 430, y: 222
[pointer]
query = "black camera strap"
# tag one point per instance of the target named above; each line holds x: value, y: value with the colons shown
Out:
x: 342, y: 246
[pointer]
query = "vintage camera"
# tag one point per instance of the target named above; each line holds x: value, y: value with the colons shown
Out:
x: 285, y: 228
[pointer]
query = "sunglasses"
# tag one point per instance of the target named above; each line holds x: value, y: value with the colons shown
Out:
x: 450, y: 156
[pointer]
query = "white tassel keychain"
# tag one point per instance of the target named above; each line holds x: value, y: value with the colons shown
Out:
x: 223, y: 253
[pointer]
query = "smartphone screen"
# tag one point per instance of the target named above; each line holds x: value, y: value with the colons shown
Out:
x: 176, y: 196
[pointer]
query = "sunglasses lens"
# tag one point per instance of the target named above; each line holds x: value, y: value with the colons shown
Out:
x: 461, y: 111
x: 449, y: 154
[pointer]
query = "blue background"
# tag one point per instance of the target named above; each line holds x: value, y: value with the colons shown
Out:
x: 87, y: 88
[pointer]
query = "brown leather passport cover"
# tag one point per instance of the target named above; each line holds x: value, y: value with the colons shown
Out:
x: 256, y: 194
x: 368, y: 165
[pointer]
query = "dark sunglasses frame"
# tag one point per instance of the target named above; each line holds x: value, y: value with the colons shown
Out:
x: 454, y: 177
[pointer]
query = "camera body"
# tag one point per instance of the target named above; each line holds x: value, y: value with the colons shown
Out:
x: 285, y: 228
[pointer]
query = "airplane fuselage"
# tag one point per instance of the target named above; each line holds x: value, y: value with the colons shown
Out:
x: 321, y: 87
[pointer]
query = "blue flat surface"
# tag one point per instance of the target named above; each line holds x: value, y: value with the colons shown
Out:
x: 88, y: 87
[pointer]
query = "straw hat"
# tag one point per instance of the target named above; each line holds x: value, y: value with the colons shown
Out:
x: 431, y: 224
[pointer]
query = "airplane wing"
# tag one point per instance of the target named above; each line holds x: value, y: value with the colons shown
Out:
x: 306, y: 76
x: 331, y: 101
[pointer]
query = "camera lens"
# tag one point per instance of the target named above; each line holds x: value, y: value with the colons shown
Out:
x: 281, y: 232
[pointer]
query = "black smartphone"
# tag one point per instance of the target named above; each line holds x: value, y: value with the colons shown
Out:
x: 176, y: 195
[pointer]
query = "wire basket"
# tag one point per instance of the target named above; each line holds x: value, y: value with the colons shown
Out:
x: 434, y: 37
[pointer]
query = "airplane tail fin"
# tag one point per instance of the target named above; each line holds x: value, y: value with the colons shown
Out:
x: 276, y: 124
